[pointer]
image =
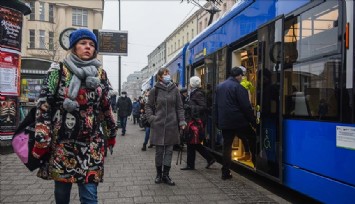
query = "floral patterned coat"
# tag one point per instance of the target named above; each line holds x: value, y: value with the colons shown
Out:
x: 73, y: 139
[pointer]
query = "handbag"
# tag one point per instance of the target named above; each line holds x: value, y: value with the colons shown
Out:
x: 23, y: 142
x: 23, y: 139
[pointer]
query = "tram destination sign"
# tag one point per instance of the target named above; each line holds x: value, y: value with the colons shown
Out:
x: 113, y: 42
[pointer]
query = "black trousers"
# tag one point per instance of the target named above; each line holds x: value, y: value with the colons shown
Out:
x: 191, y: 154
x: 136, y: 119
x: 248, y: 137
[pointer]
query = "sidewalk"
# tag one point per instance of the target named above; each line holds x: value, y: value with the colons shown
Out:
x: 129, y: 178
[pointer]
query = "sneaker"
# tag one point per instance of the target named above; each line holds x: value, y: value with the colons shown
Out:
x: 150, y: 146
x: 210, y: 163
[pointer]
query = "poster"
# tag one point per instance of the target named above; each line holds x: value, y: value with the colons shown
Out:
x: 9, y: 73
x: 10, y: 28
x: 8, y: 113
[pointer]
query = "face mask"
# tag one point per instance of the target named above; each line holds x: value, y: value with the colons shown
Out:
x: 166, y: 79
x: 124, y: 95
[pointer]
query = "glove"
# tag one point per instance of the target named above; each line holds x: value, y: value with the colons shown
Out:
x: 39, y: 152
x: 111, y: 141
x: 187, y: 106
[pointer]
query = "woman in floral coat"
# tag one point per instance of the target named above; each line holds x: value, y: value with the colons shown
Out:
x: 72, y: 103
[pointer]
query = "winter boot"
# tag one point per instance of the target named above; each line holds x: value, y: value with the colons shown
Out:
x: 166, y: 179
x: 144, y: 148
x: 158, y: 179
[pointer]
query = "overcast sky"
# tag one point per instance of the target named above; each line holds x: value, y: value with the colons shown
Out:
x: 148, y: 23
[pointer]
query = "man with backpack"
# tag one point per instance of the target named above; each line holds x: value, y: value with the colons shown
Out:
x: 124, y: 106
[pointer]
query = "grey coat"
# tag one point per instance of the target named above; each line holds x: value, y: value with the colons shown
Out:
x: 169, y: 114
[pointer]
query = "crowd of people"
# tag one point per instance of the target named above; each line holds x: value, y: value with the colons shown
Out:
x: 65, y: 133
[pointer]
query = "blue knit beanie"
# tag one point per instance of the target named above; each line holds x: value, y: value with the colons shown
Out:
x: 82, y: 33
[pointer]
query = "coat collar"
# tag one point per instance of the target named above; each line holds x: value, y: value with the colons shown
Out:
x: 161, y: 86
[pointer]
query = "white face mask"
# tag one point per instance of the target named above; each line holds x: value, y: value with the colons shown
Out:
x: 124, y: 95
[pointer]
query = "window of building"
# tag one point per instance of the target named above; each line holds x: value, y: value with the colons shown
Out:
x: 178, y: 43
x: 41, y: 11
x: 187, y: 36
x: 51, y: 13
x: 33, y: 11
x: 80, y: 17
x: 200, y: 26
x: 42, y: 39
x: 32, y: 39
x: 192, y: 33
x: 51, y: 41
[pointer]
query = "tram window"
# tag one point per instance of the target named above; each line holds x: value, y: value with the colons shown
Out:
x: 314, y: 32
x: 221, y: 65
x: 311, y: 89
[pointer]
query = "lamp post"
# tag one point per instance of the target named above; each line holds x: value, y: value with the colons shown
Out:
x: 119, y: 57
x: 119, y: 62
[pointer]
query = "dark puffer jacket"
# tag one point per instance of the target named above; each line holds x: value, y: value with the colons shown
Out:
x: 196, y: 105
x: 233, y: 108
x: 168, y: 114
x: 124, y: 106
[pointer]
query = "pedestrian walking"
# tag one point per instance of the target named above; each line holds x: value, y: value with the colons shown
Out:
x: 136, y: 111
x: 234, y: 116
x: 195, y: 114
x: 67, y: 121
x: 165, y: 114
x: 124, y: 106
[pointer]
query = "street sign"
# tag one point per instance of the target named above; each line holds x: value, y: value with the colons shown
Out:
x: 113, y: 42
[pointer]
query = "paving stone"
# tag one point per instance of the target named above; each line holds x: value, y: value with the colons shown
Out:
x: 129, y: 178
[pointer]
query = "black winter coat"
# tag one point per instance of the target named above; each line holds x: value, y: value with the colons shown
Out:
x: 196, y: 105
x: 124, y: 106
x: 232, y: 105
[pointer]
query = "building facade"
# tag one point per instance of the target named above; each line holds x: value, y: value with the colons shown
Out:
x: 41, y: 29
x: 156, y: 58
x: 133, y: 85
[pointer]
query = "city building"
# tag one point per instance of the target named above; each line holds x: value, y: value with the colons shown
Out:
x: 133, y: 85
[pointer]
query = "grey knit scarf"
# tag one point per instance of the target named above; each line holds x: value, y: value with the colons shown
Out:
x: 83, y: 71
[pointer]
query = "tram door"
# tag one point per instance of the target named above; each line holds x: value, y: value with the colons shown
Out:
x: 268, y: 160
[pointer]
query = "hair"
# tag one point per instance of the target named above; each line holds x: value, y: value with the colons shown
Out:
x: 161, y: 72
x: 236, y: 71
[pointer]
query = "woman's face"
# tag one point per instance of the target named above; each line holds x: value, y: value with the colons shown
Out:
x: 165, y: 73
x: 85, y: 49
x: 70, y: 121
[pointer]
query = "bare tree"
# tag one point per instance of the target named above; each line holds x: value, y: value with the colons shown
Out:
x: 213, y: 10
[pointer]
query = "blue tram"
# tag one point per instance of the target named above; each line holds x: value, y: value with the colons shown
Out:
x: 177, y: 66
x: 299, y: 57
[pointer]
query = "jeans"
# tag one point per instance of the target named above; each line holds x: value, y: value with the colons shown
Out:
x: 147, y: 133
x: 87, y: 192
x: 123, y: 121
